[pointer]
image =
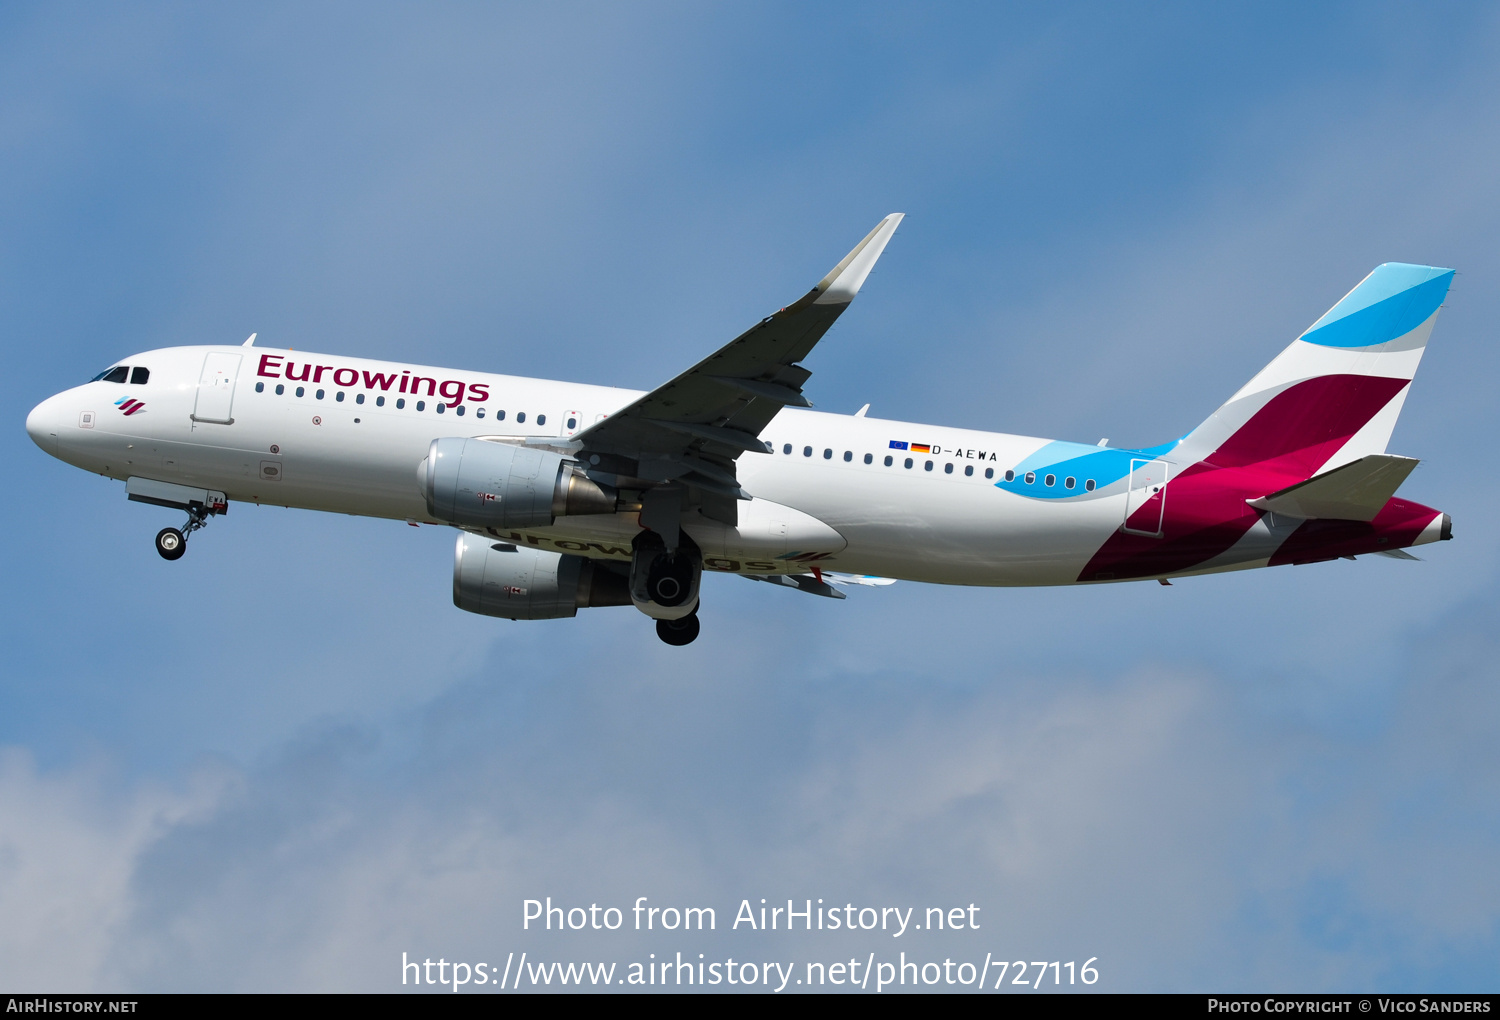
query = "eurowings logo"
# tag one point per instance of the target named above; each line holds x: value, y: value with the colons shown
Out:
x: 129, y: 405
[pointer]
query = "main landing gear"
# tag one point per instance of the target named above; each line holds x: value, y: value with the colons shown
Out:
x: 678, y: 632
x: 171, y: 543
x: 664, y: 581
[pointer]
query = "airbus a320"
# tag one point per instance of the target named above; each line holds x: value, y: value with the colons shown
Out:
x: 568, y: 496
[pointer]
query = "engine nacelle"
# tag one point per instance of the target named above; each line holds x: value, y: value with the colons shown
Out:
x: 520, y: 583
x: 664, y: 585
x: 500, y: 485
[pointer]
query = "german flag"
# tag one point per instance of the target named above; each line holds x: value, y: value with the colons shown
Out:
x: 920, y: 448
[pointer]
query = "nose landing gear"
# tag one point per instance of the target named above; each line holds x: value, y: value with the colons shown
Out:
x: 171, y: 543
x: 200, y: 504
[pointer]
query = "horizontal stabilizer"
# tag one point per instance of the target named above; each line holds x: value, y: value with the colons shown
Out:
x: 1357, y: 491
x: 802, y: 582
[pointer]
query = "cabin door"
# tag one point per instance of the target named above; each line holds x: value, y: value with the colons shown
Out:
x: 1146, y: 499
x: 216, y: 388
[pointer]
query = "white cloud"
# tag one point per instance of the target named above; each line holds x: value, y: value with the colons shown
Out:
x: 1151, y: 820
x: 70, y: 845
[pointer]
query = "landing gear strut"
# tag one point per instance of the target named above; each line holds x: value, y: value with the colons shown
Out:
x: 678, y: 632
x: 171, y: 543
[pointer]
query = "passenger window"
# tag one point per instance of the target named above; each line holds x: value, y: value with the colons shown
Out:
x: 572, y: 423
x: 139, y: 376
x: 441, y: 407
x: 787, y: 449
x: 280, y: 389
x: 459, y: 410
x: 260, y: 387
x: 379, y: 401
x: 339, y: 396
x: 848, y: 456
x: 1069, y: 482
x: 968, y: 470
x: 1030, y: 477
x: 990, y: 473
x: 359, y: 398
x: 807, y: 451
x: 116, y: 375
x: 888, y: 461
x: 1089, y: 485
x: 479, y: 412
x: 927, y: 466
x: 400, y: 403
x: 1010, y: 476
x: 828, y: 455
x: 319, y: 394
x: 421, y: 405
x: 908, y: 463
x: 948, y: 468
x: 301, y: 391
x: 541, y: 419
x: 520, y: 417
x: 1050, y: 480
x: 500, y: 415
x: 869, y: 458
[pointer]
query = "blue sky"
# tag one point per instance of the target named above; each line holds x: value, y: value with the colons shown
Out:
x: 284, y: 760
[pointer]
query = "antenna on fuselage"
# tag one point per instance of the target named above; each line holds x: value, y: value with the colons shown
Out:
x: 251, y: 341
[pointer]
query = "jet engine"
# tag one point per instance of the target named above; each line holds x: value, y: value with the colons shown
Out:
x: 499, y: 485
x: 520, y: 583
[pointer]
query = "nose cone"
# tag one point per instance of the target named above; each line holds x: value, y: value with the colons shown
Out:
x: 44, y: 424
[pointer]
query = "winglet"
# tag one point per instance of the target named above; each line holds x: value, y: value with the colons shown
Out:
x: 840, y: 285
x: 251, y: 341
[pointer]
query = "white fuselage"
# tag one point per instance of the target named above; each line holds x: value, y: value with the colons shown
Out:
x: 345, y: 435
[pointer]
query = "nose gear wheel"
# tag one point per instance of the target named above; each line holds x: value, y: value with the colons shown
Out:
x: 171, y: 543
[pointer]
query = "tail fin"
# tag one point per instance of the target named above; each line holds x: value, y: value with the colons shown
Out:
x: 1333, y: 396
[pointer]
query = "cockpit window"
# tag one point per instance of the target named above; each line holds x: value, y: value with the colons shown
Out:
x: 139, y: 376
x: 112, y: 375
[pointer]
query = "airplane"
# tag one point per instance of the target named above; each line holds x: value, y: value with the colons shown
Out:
x: 568, y: 496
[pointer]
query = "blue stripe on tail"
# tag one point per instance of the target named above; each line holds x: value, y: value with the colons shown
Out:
x: 1391, y: 302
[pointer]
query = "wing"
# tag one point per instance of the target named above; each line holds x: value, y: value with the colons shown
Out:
x: 690, y: 431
